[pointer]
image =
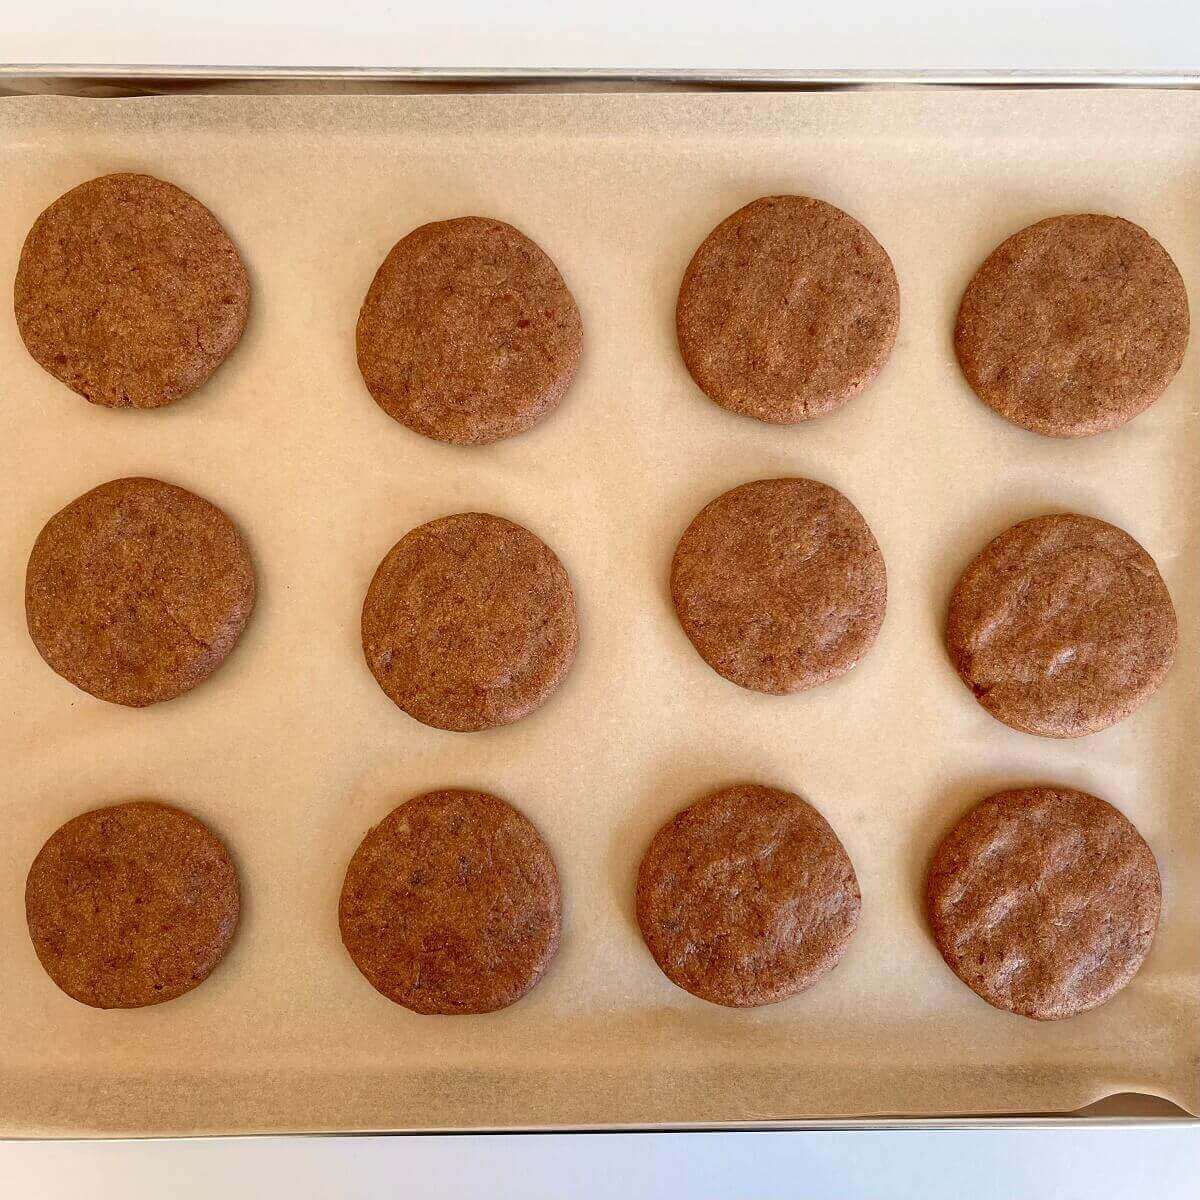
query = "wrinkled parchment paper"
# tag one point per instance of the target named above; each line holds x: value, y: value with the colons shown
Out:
x: 291, y: 751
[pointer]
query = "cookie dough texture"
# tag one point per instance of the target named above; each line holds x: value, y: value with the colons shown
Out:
x: 468, y: 333
x: 451, y: 904
x: 138, y: 590
x: 747, y: 897
x: 130, y: 292
x: 1044, y: 901
x: 787, y: 310
x: 1074, y: 325
x: 1062, y: 626
x: 469, y: 622
x: 131, y: 905
x: 780, y: 585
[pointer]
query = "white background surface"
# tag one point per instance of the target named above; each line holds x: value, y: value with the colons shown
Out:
x: 1050, y: 34
x: 614, y: 33
x: 1020, y: 1165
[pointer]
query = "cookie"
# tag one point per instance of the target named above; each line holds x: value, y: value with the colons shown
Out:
x: 1073, y: 326
x: 130, y: 292
x: 451, y: 904
x: 138, y: 591
x: 469, y: 622
x: 780, y: 585
x: 788, y: 309
x: 468, y: 333
x: 747, y: 897
x: 1062, y: 626
x: 131, y: 905
x: 1044, y: 901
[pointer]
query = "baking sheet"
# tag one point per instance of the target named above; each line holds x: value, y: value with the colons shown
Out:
x: 291, y: 751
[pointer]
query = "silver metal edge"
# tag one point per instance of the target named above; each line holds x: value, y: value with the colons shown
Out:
x: 812, y: 1124
x: 722, y: 77
x: 83, y: 73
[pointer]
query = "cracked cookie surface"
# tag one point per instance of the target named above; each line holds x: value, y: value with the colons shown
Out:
x: 131, y: 905
x: 1062, y: 626
x: 130, y: 292
x: 1044, y: 901
x: 468, y: 333
x: 787, y: 310
x: 747, y: 897
x: 451, y: 904
x: 780, y: 585
x: 1073, y: 325
x: 469, y: 622
x: 138, y: 590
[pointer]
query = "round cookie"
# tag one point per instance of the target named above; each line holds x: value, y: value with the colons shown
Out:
x: 1062, y: 626
x: 1044, y: 901
x: 138, y: 590
x: 469, y: 622
x: 130, y: 292
x: 747, y: 897
x: 468, y: 333
x: 451, y: 904
x: 1073, y: 325
x: 780, y: 585
x: 131, y: 905
x: 788, y: 309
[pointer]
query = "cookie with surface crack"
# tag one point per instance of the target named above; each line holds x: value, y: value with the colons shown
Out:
x: 788, y: 309
x: 468, y: 333
x: 130, y: 292
x: 747, y: 897
x: 138, y: 590
x: 1044, y: 901
x: 1062, y: 626
x: 780, y: 585
x: 1073, y: 325
x: 451, y: 904
x: 131, y: 905
x: 469, y: 622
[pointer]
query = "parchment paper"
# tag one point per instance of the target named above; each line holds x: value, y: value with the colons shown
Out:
x: 291, y: 750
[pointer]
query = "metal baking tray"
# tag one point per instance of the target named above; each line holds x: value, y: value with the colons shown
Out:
x: 75, y: 79
x: 127, y: 80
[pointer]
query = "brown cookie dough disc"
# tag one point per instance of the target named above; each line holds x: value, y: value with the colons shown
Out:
x: 451, y: 904
x: 1073, y: 326
x: 130, y: 292
x: 138, y: 590
x: 1044, y: 901
x: 780, y: 585
x: 1062, y: 626
x: 469, y: 622
x: 747, y: 897
x: 788, y: 309
x: 131, y: 905
x: 468, y: 333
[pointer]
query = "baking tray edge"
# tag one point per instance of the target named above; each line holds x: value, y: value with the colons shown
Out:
x: 132, y: 79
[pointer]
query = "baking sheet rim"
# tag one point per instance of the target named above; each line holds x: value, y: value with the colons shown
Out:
x: 635, y: 77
